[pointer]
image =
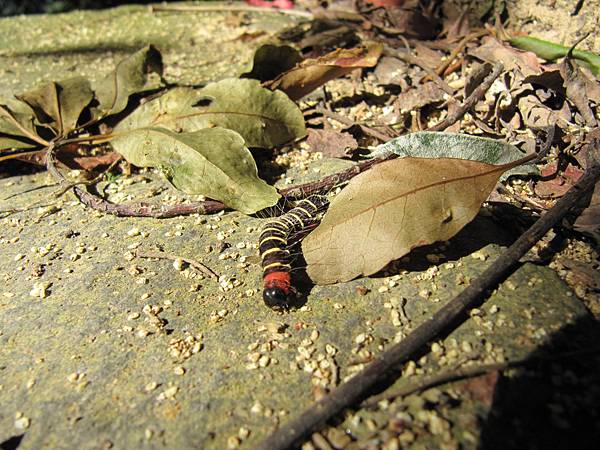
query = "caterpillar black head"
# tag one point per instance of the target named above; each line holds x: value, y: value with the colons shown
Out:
x: 275, y: 298
x: 276, y: 290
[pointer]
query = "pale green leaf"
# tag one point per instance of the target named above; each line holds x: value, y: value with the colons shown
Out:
x: 16, y: 119
x: 129, y: 77
x: 59, y: 103
x: 264, y: 118
x: 213, y: 162
x: 430, y: 144
x: 74, y: 95
x: 7, y: 142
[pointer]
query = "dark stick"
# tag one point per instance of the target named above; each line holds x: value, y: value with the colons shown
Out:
x: 388, y: 363
x: 477, y: 94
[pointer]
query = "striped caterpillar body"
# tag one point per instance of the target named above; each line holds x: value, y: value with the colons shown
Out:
x: 275, y: 255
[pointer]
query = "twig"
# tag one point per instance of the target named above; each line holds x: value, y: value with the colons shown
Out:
x: 9, y: 212
x: 229, y: 8
x: 454, y: 312
x: 466, y: 372
x: 21, y: 154
x: 477, y: 94
x: 140, y: 209
x: 88, y: 182
x: 192, y: 262
x: 459, y: 48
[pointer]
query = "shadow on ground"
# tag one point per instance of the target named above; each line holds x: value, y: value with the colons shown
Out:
x: 553, y: 403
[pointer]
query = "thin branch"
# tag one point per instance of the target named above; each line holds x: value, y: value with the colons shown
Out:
x: 140, y: 209
x: 475, y: 96
x: 192, y: 262
x: 459, y: 48
x: 22, y: 154
x: 466, y: 372
x: 452, y: 313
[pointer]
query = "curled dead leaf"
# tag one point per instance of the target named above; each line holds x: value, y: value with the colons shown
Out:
x: 312, y: 73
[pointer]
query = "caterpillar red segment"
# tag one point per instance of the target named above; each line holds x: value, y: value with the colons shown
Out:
x: 273, y: 247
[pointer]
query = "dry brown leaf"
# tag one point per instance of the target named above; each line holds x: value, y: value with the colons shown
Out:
x: 332, y: 143
x: 422, y: 95
x: 392, y: 71
x: 493, y: 51
x: 396, y: 206
x: 576, y: 86
x: 312, y: 73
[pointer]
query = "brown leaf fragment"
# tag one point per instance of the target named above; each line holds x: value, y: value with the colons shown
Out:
x: 427, y: 56
x: 587, y: 274
x: 535, y: 114
x: 392, y: 71
x: 413, y: 22
x: 416, y: 98
x: 394, y: 207
x: 588, y: 221
x: 312, y: 73
x: 493, y: 51
x: 332, y: 143
x: 576, y: 87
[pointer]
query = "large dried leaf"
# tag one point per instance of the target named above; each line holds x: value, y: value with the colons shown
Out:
x: 431, y: 144
x: 312, y: 73
x: 212, y: 162
x: 59, y: 103
x: 129, y: 77
x: 419, y: 96
x: 396, y: 206
x: 264, y: 118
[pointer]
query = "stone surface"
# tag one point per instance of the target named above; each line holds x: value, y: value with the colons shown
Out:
x: 101, y: 349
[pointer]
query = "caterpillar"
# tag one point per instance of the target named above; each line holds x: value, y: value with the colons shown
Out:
x: 274, y: 249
